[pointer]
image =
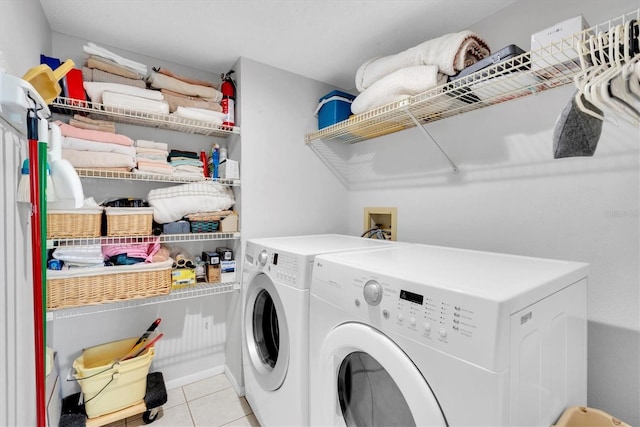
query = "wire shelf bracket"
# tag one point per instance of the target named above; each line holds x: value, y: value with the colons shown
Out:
x: 454, y: 167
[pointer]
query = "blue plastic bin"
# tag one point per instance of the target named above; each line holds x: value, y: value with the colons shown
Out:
x: 333, y: 108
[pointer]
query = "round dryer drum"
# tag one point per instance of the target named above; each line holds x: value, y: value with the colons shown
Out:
x: 369, y: 381
x: 266, y: 333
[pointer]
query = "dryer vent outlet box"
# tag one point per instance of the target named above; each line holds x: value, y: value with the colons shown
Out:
x: 384, y: 218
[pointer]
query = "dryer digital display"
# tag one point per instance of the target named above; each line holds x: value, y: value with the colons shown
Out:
x: 411, y: 297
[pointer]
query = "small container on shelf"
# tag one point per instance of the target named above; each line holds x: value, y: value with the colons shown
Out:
x: 129, y: 221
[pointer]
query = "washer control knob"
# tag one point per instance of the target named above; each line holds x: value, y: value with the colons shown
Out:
x: 385, y: 313
x: 263, y: 257
x: 400, y: 317
x: 443, y: 333
x: 426, y: 326
x: 412, y: 321
x: 372, y: 292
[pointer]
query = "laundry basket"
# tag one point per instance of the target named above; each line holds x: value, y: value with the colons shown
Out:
x: 581, y: 416
x: 108, y: 385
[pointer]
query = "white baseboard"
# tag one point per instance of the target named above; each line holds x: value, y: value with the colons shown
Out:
x: 201, y: 375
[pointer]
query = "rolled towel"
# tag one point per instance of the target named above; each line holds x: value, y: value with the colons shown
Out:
x: 398, y: 85
x: 451, y: 53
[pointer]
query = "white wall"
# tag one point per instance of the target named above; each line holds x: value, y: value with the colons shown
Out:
x: 511, y: 196
x: 24, y: 35
x: 286, y: 190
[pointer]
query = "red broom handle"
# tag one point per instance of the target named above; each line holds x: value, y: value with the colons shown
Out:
x: 36, y: 260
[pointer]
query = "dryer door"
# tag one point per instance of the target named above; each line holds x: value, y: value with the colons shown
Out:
x: 369, y: 381
x: 266, y: 333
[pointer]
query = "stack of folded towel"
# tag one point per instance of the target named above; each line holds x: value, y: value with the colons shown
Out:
x: 396, y: 77
x: 151, y: 157
x: 186, y: 163
x: 107, y: 67
x: 79, y: 147
x: 92, y: 124
x: 188, y: 98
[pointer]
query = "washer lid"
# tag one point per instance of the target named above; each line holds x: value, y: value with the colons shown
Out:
x: 319, y: 243
x: 369, y: 381
x: 514, y: 280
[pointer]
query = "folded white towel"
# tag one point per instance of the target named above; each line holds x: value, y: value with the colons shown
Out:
x: 143, y: 143
x: 91, y: 254
x: 199, y: 114
x: 451, y: 53
x: 135, y: 103
x: 87, y: 145
x: 96, y: 89
x: 398, y: 85
x: 93, y: 49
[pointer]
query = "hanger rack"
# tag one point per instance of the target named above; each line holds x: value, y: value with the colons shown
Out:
x: 545, y: 68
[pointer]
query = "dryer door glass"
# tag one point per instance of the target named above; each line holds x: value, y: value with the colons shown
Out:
x: 266, y: 332
x: 368, y: 395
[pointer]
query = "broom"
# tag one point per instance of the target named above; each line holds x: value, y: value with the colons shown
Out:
x: 23, y: 184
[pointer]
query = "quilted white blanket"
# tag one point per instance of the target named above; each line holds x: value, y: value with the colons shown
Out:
x: 172, y: 203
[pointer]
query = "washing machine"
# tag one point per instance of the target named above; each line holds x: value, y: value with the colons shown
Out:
x: 423, y: 335
x: 275, y: 295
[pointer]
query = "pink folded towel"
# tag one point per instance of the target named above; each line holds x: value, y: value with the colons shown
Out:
x: 93, y: 135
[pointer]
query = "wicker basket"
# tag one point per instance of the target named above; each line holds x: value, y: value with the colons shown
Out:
x: 65, y: 292
x: 74, y: 223
x: 204, y: 226
x: 129, y: 221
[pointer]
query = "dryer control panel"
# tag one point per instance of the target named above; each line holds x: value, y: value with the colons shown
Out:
x: 281, y: 266
x: 455, y: 323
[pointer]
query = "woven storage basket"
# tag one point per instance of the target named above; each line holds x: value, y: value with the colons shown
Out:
x: 129, y: 221
x: 204, y: 226
x: 74, y: 223
x: 206, y: 222
x: 65, y: 292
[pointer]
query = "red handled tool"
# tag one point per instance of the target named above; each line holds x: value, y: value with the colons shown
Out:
x: 146, y: 334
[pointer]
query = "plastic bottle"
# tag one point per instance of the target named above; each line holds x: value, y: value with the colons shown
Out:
x: 215, y: 160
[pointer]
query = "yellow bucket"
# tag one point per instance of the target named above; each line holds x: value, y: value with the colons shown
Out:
x: 107, y: 384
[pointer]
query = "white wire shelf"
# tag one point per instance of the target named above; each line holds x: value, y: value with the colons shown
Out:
x: 151, y: 177
x: 125, y: 115
x: 199, y: 290
x: 164, y: 238
x: 542, y: 69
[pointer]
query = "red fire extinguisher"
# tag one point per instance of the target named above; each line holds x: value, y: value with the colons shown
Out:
x: 228, y: 89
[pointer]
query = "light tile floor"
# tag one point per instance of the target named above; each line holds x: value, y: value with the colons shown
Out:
x: 211, y: 402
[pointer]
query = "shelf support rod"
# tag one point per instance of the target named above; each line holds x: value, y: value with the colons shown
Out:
x: 428, y: 135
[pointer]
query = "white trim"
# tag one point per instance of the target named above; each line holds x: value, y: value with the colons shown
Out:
x: 198, y: 376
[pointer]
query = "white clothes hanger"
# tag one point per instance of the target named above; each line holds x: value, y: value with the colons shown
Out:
x: 582, y: 78
x: 598, y: 48
x: 603, y: 85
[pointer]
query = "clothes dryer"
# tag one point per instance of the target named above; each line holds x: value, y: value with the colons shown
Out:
x: 275, y: 295
x: 422, y: 335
